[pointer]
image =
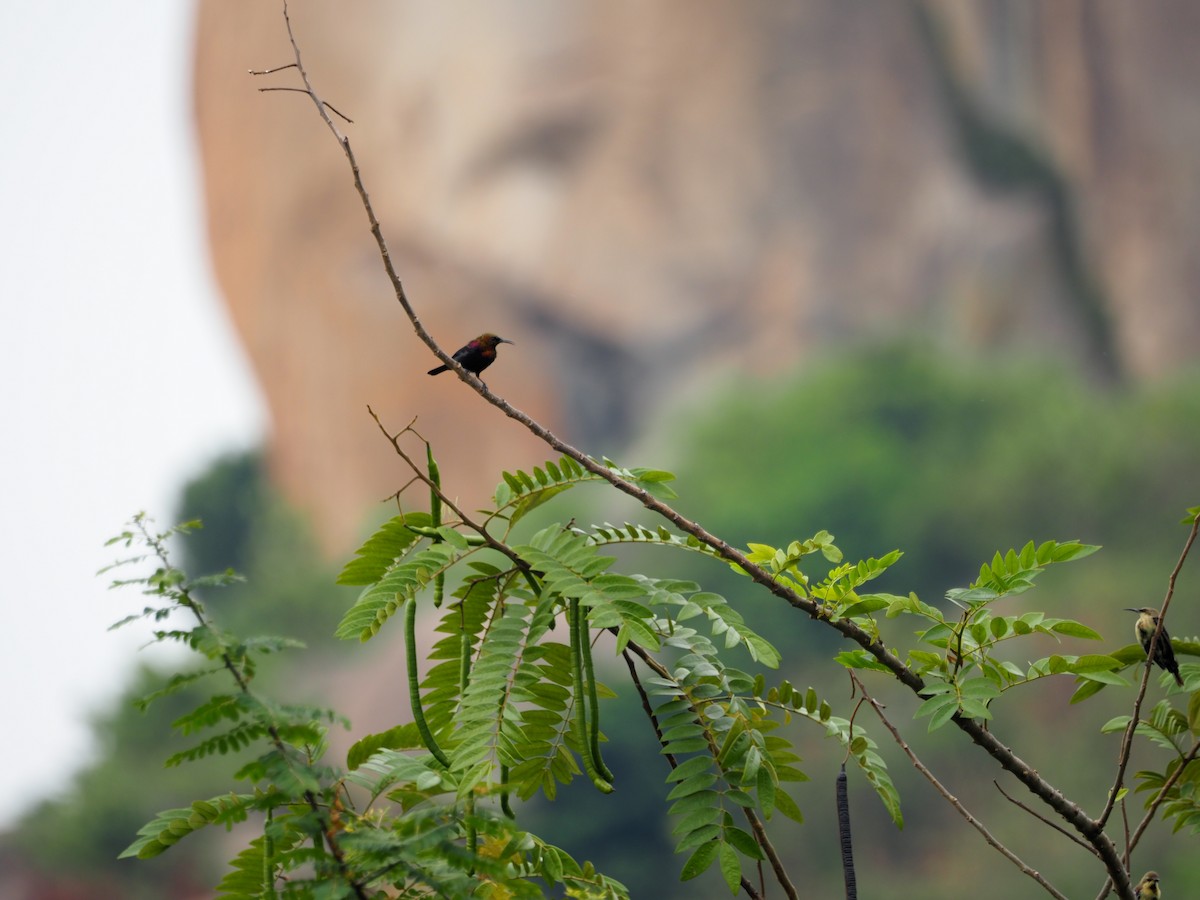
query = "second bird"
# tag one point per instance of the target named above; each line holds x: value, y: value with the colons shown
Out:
x: 1148, y: 888
x: 476, y: 355
x: 1143, y: 629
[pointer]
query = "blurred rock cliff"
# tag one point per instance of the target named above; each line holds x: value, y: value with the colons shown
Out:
x: 644, y: 196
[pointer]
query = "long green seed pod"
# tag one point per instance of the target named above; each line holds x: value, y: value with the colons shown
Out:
x: 414, y: 692
x: 464, y: 662
x: 435, y: 517
x: 473, y: 540
x: 589, y: 674
x: 581, y: 717
x: 505, y: 805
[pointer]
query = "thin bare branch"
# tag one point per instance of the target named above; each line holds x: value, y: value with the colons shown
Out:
x: 1127, y: 738
x: 290, y: 65
x: 419, y: 475
x: 954, y: 801
x: 1037, y: 815
x: 296, y: 90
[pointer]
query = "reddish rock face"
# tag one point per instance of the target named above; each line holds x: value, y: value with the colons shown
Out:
x: 614, y: 185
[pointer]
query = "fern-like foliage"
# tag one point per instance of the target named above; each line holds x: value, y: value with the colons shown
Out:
x: 403, y: 581
x: 511, y: 704
x: 428, y: 835
x: 461, y: 625
x: 491, y: 706
x: 1014, y: 573
x: 629, y: 533
x: 521, y: 492
x: 854, y: 738
x: 383, y: 548
x: 172, y: 825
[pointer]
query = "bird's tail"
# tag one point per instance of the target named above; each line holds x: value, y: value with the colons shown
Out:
x: 439, y: 370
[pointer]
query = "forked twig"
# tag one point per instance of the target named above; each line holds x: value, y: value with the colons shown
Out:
x: 954, y: 801
x: 1037, y: 815
x: 1127, y: 738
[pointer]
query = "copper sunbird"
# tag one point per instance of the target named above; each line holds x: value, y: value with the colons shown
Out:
x: 476, y: 355
x: 1147, y: 888
x: 1164, y: 656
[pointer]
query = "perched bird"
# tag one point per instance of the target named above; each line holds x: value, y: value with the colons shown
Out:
x: 476, y: 355
x: 1147, y: 888
x: 1164, y: 656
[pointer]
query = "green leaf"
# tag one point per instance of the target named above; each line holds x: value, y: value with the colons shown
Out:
x: 864, y: 605
x: 169, y: 826
x: 1075, y: 629
x: 743, y: 842
x: 654, y: 481
x: 703, y: 857
x: 700, y: 782
x: 761, y: 650
x: 378, y: 602
x: 690, y: 767
x: 1095, y: 663
x: 942, y: 715
x: 1086, y: 689
x: 402, y: 737
x: 786, y: 805
x: 1106, y: 678
x: 382, y: 549
x: 935, y: 704
x: 696, y: 818
x: 731, y: 867
x: 860, y: 659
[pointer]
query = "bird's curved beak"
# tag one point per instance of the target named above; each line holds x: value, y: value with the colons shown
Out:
x: 501, y: 340
x: 1131, y: 609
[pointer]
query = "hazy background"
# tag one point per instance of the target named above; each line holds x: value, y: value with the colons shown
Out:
x: 121, y: 374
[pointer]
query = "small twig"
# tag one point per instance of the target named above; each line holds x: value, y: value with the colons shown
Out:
x: 647, y: 707
x: 327, y: 105
x: 395, y: 495
x: 861, y: 701
x: 955, y: 802
x: 1125, y: 820
x: 290, y: 65
x: 419, y: 475
x: 1127, y: 738
x: 1033, y: 812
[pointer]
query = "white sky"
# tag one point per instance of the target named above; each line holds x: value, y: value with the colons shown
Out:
x: 119, y: 373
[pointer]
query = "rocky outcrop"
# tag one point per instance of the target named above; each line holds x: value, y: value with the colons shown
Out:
x: 644, y: 195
